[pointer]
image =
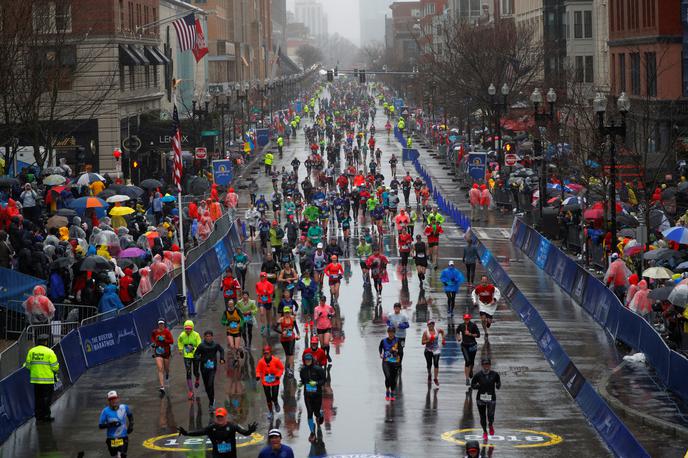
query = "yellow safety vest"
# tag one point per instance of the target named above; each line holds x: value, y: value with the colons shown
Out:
x: 409, y: 142
x: 268, y: 159
x: 41, y: 361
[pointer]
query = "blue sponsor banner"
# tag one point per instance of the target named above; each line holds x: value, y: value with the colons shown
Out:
x: 542, y: 253
x: 73, y: 355
x: 109, y: 339
x: 477, y: 163
x: 146, y: 319
x: 16, y: 286
x: 222, y: 172
x: 398, y: 103
x: 16, y: 402
x: 222, y: 255
x: 263, y: 136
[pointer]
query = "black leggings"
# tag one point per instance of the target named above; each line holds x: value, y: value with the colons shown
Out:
x: 247, y: 333
x: 208, y: 376
x: 241, y: 273
x: 390, y: 370
x: 190, y: 364
x: 378, y: 284
x: 431, y: 359
x: 404, y: 258
x: 313, y: 405
x: 271, y: 393
x: 451, y: 300
x: 470, y: 272
x: 469, y: 352
x: 486, y: 409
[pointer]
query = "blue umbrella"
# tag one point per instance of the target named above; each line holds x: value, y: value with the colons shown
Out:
x: 169, y: 198
x: 88, y: 202
x: 677, y: 234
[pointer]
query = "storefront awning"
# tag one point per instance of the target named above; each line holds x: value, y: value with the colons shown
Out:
x: 138, y: 52
x: 154, y: 55
x: 126, y: 57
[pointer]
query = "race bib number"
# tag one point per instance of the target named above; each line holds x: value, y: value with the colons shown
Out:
x: 404, y: 247
x: 311, y: 388
x: 269, y: 378
x: 289, y: 333
x: 117, y: 442
x: 210, y: 364
x: 161, y: 338
x: 224, y: 447
x: 188, y: 349
x: 234, y: 325
x: 420, y: 255
x: 391, y: 359
x: 264, y: 298
x: 159, y: 350
x: 486, y: 397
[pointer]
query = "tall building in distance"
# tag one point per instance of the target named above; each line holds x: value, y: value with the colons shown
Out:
x: 311, y: 14
x: 371, y: 15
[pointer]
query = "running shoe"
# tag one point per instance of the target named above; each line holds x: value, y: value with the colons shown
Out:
x: 167, y: 375
x: 190, y: 395
x: 392, y: 397
x: 491, y: 430
x: 429, y: 378
x: 468, y: 382
x: 437, y: 383
x: 485, y: 437
x: 386, y: 395
x: 277, y: 408
x: 270, y: 416
x: 197, y: 382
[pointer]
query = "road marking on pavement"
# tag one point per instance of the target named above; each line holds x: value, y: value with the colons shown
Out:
x: 175, y: 443
x: 511, y: 438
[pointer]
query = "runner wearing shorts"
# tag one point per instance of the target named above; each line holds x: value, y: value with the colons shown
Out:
x: 323, y: 315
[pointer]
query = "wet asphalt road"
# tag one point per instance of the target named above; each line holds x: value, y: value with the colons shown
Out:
x: 535, y: 416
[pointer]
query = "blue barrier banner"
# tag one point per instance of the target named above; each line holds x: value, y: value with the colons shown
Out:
x: 579, y: 285
x: 262, y: 136
x: 168, y: 308
x: 146, y: 320
x: 222, y: 255
x: 223, y: 172
x: 109, y: 339
x: 628, y: 329
x: 542, y: 252
x: 554, y: 353
x: 594, y: 291
x: 534, y: 322
x: 73, y: 355
x: 485, y: 257
x: 532, y: 244
x: 654, y: 348
x: 477, y: 163
x: 16, y: 286
x: 16, y: 402
x: 234, y: 236
x: 204, y: 271
x: 678, y: 368
x: 607, y: 301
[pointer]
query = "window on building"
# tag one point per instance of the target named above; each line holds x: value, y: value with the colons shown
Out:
x: 121, y: 15
x: 589, y: 75
x: 131, y: 16
x: 51, y: 17
x: 132, y: 78
x: 122, y: 79
x: 580, y: 71
x: 156, y: 78
x: 612, y: 16
x: 147, y: 72
x: 587, y: 24
x: 652, y: 14
x: 577, y: 24
x: 146, y: 19
x: 138, y: 15
x: 622, y: 15
x: 651, y: 73
x: 507, y: 7
x: 475, y: 8
x: 635, y: 73
x: 622, y: 72
x: 154, y: 19
x: 612, y: 70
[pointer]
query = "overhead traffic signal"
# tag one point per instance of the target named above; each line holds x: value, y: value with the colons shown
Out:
x: 336, y: 72
x: 330, y: 76
x: 361, y: 76
x: 355, y: 73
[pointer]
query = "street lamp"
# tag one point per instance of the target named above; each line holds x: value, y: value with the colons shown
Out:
x: 542, y: 119
x: 199, y: 114
x: 608, y: 132
x: 498, y: 107
x: 224, y: 105
x: 242, y: 95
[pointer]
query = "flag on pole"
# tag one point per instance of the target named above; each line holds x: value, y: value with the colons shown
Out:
x: 186, y: 32
x: 177, y: 149
x: 200, y: 48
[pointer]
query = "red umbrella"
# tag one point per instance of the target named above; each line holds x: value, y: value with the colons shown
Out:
x: 593, y: 213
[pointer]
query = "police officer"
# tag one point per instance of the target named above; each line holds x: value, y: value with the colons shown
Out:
x: 42, y: 363
x: 280, y: 145
x: 268, y: 163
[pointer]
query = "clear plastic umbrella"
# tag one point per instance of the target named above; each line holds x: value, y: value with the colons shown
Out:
x: 108, y: 238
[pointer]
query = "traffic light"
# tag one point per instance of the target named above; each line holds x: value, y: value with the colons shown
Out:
x: 135, y: 164
x: 336, y: 72
x: 361, y: 76
x: 330, y: 76
x: 355, y: 73
x: 508, y: 147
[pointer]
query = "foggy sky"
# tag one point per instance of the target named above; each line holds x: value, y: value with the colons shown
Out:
x: 342, y: 17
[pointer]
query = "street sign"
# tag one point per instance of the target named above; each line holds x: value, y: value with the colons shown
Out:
x: 210, y: 133
x: 131, y: 144
x: 201, y: 152
x: 510, y: 159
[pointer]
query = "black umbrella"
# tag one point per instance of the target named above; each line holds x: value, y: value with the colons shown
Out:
x: 96, y: 264
x: 61, y: 263
x: 126, y: 262
x: 656, y: 218
x: 8, y: 181
x: 132, y: 191
x: 661, y: 294
x: 105, y: 193
x: 199, y: 186
x: 151, y: 183
x: 627, y: 232
x: 571, y: 207
x: 624, y: 219
x: 68, y: 212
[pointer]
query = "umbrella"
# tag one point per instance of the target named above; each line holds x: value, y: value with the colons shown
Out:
x: 575, y: 187
x: 677, y: 234
x: 125, y: 262
x: 658, y: 273
x: 57, y: 221
x: 108, y: 238
x: 88, y: 202
x: 68, y: 212
x: 52, y: 180
x: 682, y: 267
x: 679, y: 296
x: 95, y: 264
x: 133, y: 252
x: 668, y: 193
x: 199, y: 186
x: 117, y: 198
x: 627, y: 232
x: 624, y: 219
x: 8, y: 181
x: 121, y: 211
x: 88, y: 178
x: 61, y: 263
x: 657, y: 218
x: 169, y: 198
x: 632, y: 248
x: 58, y: 189
x: 151, y: 183
x: 106, y: 194
x: 593, y: 213
x: 132, y: 191
x: 571, y: 200
x: 661, y: 294
x: 53, y: 171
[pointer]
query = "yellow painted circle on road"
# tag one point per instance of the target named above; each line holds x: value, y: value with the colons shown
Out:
x: 509, y: 438
x: 176, y: 443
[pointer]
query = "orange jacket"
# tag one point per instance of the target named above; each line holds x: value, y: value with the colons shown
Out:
x: 274, y: 368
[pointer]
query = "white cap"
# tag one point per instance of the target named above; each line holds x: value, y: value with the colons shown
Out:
x: 451, y: 263
x: 274, y: 433
x: 112, y: 394
x: 320, y: 245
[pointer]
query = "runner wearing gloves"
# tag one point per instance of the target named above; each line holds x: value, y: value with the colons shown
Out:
x: 399, y: 321
x: 312, y: 378
x: 486, y: 296
x: 466, y: 333
x: 269, y: 371
x: 187, y: 342
x: 222, y: 434
x: 485, y: 382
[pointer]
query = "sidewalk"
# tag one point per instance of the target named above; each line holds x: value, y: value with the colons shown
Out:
x: 588, y: 345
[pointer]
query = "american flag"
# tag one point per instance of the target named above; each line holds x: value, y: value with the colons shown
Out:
x: 186, y: 32
x: 177, y: 148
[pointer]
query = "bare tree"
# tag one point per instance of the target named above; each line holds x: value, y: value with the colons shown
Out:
x: 55, y: 77
x: 309, y: 55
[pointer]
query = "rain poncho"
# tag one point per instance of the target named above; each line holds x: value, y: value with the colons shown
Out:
x: 109, y: 301
x: 158, y: 268
x: 633, y: 280
x: 145, y: 283
x: 617, y: 274
x: 452, y: 278
x: 474, y: 196
x: 124, y: 285
x: 641, y: 304
x: 38, y: 308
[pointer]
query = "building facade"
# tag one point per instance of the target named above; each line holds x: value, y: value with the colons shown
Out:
x: 580, y: 46
x: 311, y: 14
x: 371, y: 18
x: 405, y: 29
